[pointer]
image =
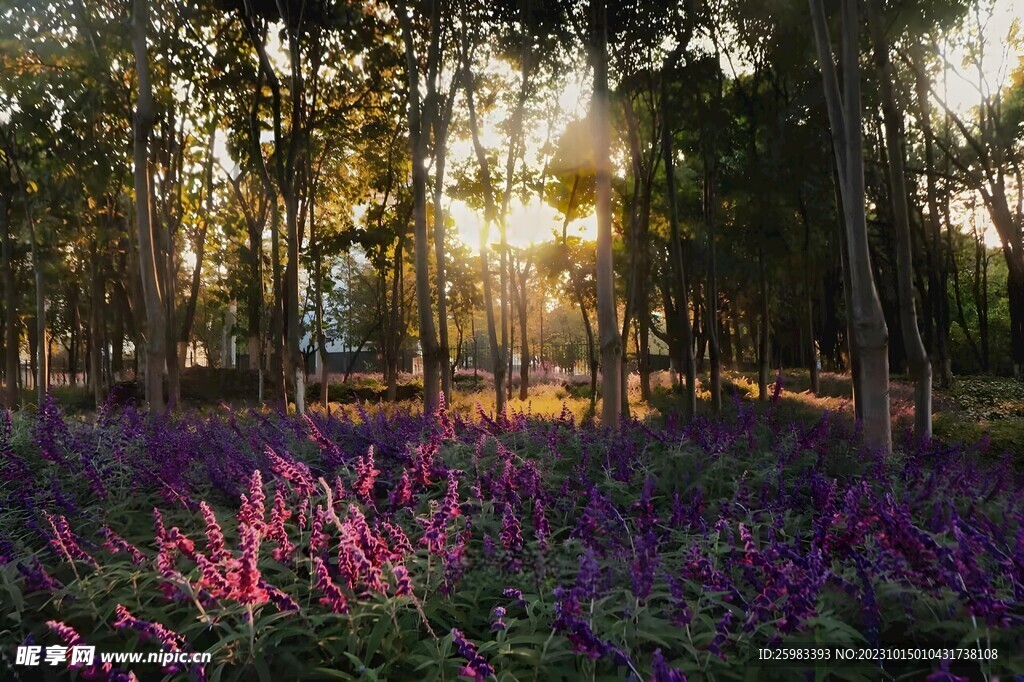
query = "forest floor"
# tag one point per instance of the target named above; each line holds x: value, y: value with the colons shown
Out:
x: 966, y: 411
x: 971, y: 408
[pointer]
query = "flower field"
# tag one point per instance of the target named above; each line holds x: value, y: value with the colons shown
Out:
x: 391, y: 545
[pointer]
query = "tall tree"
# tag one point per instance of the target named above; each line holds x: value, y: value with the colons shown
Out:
x: 420, y: 120
x: 607, y: 324
x: 870, y: 333
x: 145, y: 114
x: 920, y: 364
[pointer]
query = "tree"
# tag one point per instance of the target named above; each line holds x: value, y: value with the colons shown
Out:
x: 870, y: 334
x: 607, y: 324
x: 420, y: 120
x: 920, y: 364
x: 145, y: 114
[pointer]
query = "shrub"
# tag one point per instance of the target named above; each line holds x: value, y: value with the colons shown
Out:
x: 387, y: 544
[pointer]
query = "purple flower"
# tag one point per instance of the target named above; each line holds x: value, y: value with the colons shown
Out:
x: 511, y: 534
x: 123, y: 619
x: 37, y: 579
x: 64, y: 543
x: 721, y: 635
x: 403, y: 582
x: 476, y: 666
x: 515, y: 595
x: 115, y: 543
x: 663, y: 672
x: 436, y: 528
x: 333, y: 597
x: 498, y: 618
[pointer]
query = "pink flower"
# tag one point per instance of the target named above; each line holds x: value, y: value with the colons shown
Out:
x: 246, y: 579
x: 64, y: 543
x: 444, y: 420
x: 402, y: 494
x: 213, y: 579
x: 214, y: 534
x: 123, y: 619
x: 333, y: 597
x: 177, y: 539
x: 511, y: 535
x: 276, y: 530
x: 399, y: 545
x: 303, y: 508
x: 252, y: 510
x: 366, y: 477
x: 115, y: 543
x: 294, y: 472
x: 67, y: 634
x: 338, y: 490
x: 423, y: 461
x: 436, y: 528
x: 317, y: 537
x: 403, y: 582
x: 97, y: 671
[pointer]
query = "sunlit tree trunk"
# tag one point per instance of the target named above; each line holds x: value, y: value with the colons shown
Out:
x: 490, y: 212
x: 711, y: 305
x: 920, y: 365
x: 318, y: 303
x: 393, y: 339
x: 524, y: 344
x: 418, y: 142
x: 868, y: 322
x: 764, y: 335
x: 607, y: 325
x: 441, y: 120
x: 156, y: 314
x: 277, y: 364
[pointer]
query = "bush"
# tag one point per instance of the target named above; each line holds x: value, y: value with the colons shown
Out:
x: 397, y: 543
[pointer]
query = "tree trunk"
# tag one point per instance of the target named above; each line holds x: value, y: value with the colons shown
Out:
x: 393, y: 339
x: 811, y: 346
x: 200, y: 249
x: 490, y: 211
x: 711, y: 304
x: 156, y: 320
x: 764, y: 341
x: 868, y: 322
x: 166, y: 255
x: 12, y: 327
x: 96, y: 342
x: 277, y: 364
x: 920, y: 365
x: 444, y: 350
x: 418, y: 134
x: 321, y: 338
x: 607, y: 325
x: 291, y: 282
x: 678, y: 266
x: 524, y: 342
